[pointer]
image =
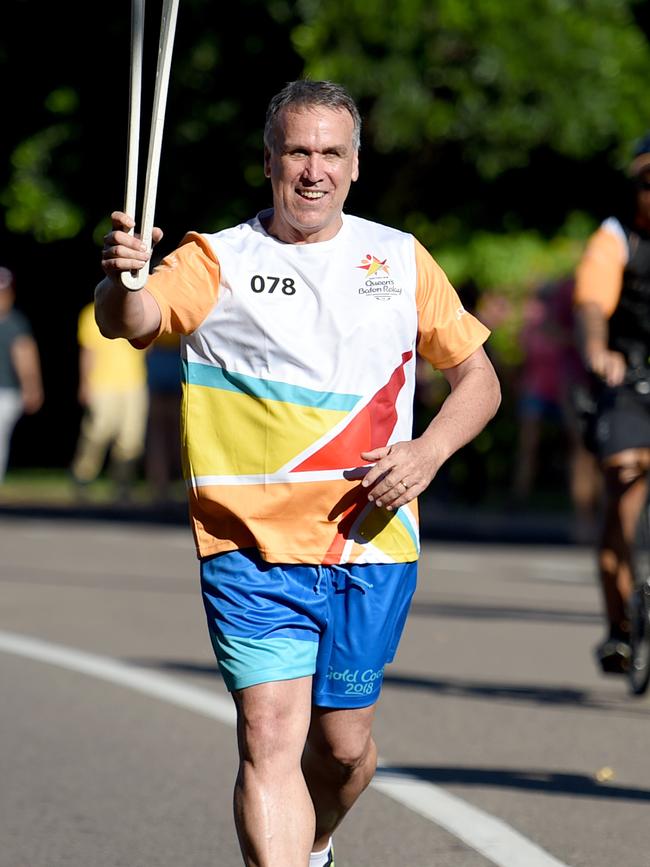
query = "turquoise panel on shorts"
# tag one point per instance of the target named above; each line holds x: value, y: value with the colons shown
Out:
x: 341, y: 624
x: 246, y: 661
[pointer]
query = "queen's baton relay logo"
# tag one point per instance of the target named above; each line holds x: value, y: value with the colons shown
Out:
x: 378, y: 282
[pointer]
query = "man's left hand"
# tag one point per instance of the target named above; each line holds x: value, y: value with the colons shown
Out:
x: 401, y: 471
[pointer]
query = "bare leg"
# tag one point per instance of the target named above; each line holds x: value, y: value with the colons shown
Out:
x: 585, y: 486
x: 339, y: 762
x: 163, y: 445
x: 96, y: 434
x: 527, y: 456
x: 274, y: 814
x: 626, y: 489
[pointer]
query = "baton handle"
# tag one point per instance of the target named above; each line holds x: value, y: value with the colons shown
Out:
x: 135, y: 280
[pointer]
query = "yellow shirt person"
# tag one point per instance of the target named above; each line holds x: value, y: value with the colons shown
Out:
x: 115, y: 365
x: 113, y: 391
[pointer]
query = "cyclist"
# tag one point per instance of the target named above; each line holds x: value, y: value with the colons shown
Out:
x: 612, y: 296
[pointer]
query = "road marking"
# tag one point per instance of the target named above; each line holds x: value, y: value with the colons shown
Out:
x: 487, y: 835
x: 139, y: 679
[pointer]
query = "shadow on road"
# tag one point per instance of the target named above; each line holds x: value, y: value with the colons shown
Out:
x: 543, y: 694
x: 549, y: 782
x: 171, y: 666
x: 502, y: 612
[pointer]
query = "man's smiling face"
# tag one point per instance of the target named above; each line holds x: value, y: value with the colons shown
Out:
x: 311, y: 163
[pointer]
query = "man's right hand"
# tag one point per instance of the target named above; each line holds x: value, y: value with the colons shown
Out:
x: 610, y: 366
x: 118, y: 311
x: 123, y: 251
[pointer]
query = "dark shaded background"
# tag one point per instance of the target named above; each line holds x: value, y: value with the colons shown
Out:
x: 210, y: 177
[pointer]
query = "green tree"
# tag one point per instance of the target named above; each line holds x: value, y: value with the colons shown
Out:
x: 493, y: 119
x: 497, y: 79
x: 485, y: 127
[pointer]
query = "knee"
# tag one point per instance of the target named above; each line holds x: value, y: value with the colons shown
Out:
x: 630, y: 473
x: 270, y: 734
x: 264, y: 735
x: 609, y: 560
x: 346, y: 756
x: 621, y: 475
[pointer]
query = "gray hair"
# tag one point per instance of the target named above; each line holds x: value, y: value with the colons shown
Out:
x: 306, y: 94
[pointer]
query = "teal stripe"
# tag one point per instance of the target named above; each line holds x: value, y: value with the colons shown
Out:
x: 246, y: 661
x: 265, y: 389
x: 406, y: 523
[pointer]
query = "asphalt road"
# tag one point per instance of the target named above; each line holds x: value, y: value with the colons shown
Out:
x: 500, y: 742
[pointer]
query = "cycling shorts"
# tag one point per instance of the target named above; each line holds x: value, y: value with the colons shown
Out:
x: 622, y: 421
x: 341, y: 624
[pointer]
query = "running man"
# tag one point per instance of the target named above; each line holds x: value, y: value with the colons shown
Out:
x: 612, y: 295
x: 299, y: 332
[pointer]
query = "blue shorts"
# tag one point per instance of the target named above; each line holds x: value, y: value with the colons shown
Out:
x: 341, y: 624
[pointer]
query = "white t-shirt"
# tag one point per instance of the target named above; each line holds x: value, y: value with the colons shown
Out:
x: 296, y: 358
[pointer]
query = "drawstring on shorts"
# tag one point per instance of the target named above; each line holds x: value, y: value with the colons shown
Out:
x: 335, y: 567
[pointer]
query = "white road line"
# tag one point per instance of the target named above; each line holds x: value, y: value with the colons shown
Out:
x: 491, y: 837
x: 139, y: 679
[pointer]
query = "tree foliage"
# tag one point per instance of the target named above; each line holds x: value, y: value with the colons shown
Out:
x: 496, y: 79
x: 483, y: 100
x: 485, y: 126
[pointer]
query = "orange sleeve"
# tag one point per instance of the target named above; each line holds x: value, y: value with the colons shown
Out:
x: 599, y: 275
x: 185, y: 285
x: 447, y: 333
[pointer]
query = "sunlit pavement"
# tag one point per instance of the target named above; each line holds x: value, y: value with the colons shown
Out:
x: 493, y: 698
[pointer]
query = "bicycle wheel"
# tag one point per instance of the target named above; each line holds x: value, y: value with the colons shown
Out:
x: 639, y: 671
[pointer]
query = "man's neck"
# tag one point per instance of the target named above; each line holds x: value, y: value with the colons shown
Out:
x: 290, y: 235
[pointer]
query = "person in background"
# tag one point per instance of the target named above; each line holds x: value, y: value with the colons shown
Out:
x: 21, y: 384
x: 612, y: 298
x: 550, y: 378
x: 163, y: 443
x: 114, y: 396
x: 299, y: 334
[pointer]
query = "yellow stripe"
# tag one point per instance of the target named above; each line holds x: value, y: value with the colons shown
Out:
x: 387, y: 532
x: 235, y: 434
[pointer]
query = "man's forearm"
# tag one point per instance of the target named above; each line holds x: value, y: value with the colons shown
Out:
x: 470, y: 405
x: 120, y: 313
x: 593, y: 329
x: 26, y: 359
x: 593, y: 337
x: 27, y: 363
